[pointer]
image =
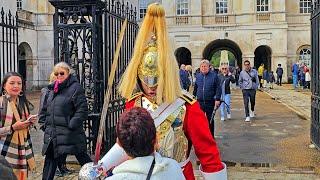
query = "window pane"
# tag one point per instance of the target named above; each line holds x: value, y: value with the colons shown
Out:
x: 258, y: 3
x: 217, y: 5
x: 258, y: 8
x: 262, y: 8
x: 266, y: 8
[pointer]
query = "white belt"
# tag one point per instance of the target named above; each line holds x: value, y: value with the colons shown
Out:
x: 184, y: 163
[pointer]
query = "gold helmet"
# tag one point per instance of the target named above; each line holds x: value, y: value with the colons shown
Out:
x: 152, y: 62
x: 148, y: 72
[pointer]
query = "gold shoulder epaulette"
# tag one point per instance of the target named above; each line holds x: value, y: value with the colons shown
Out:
x: 134, y: 96
x: 189, y: 98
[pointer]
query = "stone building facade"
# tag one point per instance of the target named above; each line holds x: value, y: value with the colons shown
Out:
x: 262, y: 31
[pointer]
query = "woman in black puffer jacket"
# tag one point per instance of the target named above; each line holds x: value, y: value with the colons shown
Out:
x: 64, y: 110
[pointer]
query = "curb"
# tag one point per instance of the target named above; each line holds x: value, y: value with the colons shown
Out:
x: 292, y: 108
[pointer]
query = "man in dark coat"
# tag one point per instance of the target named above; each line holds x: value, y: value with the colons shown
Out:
x: 279, y: 72
x: 207, y: 90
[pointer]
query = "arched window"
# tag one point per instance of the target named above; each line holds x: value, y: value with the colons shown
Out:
x: 221, y: 6
x: 182, y: 7
x: 305, y: 6
x: 262, y: 5
x: 305, y: 56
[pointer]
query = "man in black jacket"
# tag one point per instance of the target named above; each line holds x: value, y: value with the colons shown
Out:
x: 279, y: 72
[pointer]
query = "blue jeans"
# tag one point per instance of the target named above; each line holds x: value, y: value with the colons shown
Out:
x: 295, y: 81
x: 227, y: 99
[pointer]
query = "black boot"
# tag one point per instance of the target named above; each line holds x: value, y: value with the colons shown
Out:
x: 65, y: 170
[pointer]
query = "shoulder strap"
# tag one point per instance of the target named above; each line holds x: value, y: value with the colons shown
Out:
x: 151, y: 169
x: 248, y: 74
x: 169, y: 110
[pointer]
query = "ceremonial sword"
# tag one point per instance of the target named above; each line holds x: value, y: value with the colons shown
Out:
x: 107, y: 94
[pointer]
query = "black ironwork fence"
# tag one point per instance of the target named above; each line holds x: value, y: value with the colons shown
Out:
x: 315, y: 81
x: 85, y: 36
x: 8, y: 42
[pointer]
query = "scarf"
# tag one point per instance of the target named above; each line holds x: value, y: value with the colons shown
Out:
x: 56, y: 86
x: 16, y: 147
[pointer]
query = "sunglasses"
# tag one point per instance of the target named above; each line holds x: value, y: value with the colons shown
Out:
x: 57, y: 73
x: 224, y: 68
x: 246, y: 64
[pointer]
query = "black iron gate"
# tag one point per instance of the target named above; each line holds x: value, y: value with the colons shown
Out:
x: 315, y: 81
x: 85, y: 36
x: 8, y: 42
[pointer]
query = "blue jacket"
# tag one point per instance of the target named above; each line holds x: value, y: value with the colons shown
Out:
x: 207, y: 87
x: 184, y: 80
x: 295, y: 69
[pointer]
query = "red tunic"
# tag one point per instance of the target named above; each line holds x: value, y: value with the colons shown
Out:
x: 196, y: 129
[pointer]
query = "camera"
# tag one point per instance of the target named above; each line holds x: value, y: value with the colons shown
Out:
x: 253, y: 79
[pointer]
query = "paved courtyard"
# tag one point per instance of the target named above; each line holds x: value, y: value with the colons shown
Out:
x: 273, y: 146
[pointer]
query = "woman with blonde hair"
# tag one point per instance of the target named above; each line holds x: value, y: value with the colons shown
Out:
x: 189, y: 70
x: 65, y: 110
x: 225, y: 78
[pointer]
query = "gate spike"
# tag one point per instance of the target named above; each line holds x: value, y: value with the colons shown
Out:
x: 2, y: 14
x: 135, y: 14
x: 9, y: 16
x: 118, y: 6
x: 112, y: 5
x: 127, y: 10
x: 122, y: 8
x: 131, y: 12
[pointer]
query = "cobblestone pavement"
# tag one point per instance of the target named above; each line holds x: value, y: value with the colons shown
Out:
x: 273, y: 146
x: 297, y: 100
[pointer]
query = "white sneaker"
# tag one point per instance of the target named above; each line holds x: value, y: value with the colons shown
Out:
x: 247, y: 119
x: 252, y: 115
x: 228, y: 116
x: 222, y: 118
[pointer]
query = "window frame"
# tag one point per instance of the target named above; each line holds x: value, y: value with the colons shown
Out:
x: 303, y: 53
x: 19, y: 4
x: 305, y: 9
x: 224, y: 9
x: 259, y: 5
x: 185, y: 9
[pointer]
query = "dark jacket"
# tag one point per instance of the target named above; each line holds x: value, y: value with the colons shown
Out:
x: 43, y: 102
x: 65, y: 112
x: 279, y: 71
x: 207, y: 87
x: 225, y: 83
x: 272, y: 79
x: 184, y: 80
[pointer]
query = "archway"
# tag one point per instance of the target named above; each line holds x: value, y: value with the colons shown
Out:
x: 262, y: 54
x: 215, y: 47
x: 25, y: 55
x: 183, y: 56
